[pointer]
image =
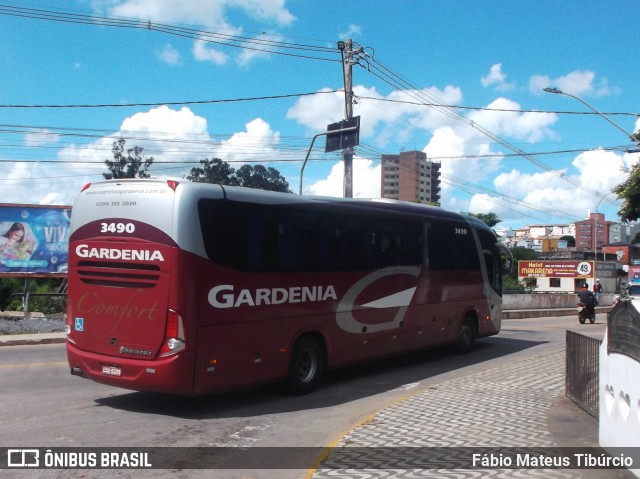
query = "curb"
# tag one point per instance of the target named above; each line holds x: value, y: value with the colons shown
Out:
x: 32, y: 339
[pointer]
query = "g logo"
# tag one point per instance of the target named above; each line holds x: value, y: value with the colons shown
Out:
x: 401, y: 300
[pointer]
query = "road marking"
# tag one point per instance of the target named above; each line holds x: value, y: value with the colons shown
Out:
x: 33, y: 365
x: 406, y: 387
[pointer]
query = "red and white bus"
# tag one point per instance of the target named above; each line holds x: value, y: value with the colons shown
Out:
x: 193, y: 288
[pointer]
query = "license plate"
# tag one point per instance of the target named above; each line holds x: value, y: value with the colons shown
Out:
x: 111, y: 371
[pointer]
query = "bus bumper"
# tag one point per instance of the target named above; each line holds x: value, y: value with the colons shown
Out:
x: 173, y: 375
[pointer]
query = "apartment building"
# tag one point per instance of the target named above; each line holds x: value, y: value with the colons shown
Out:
x: 409, y: 176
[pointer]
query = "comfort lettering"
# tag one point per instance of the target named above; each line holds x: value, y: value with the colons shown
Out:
x: 89, y: 303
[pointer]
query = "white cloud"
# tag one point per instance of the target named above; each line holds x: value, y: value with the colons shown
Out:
x: 366, y: 180
x: 596, y: 170
x: 578, y: 82
x: 211, y: 14
x: 169, y: 55
x: 155, y: 130
x: 40, y: 137
x: 208, y: 13
x: 497, y: 78
x: 203, y: 52
x: 528, y: 126
x: 380, y: 120
x: 256, y: 143
x: 259, y: 49
x: 352, y: 31
x: 172, y: 124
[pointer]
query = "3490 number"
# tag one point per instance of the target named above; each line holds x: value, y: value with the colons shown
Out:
x: 117, y: 227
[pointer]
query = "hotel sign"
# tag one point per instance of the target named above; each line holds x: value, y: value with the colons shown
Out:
x: 555, y: 269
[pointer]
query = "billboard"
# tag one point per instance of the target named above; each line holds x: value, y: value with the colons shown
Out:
x: 34, y: 239
x: 555, y: 269
x: 634, y: 274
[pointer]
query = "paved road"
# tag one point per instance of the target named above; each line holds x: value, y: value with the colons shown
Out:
x: 508, y: 393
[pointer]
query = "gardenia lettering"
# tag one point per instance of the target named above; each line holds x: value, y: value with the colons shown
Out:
x: 223, y: 296
x: 83, y: 251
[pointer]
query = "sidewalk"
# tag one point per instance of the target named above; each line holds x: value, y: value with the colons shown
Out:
x: 518, y: 405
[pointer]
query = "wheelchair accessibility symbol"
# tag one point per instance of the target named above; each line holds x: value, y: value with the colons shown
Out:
x: 79, y: 324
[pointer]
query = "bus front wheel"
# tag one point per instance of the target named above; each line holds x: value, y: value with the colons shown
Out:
x: 306, y: 365
x: 466, y: 336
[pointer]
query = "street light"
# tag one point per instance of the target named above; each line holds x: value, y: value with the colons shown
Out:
x: 595, y: 229
x: 560, y: 92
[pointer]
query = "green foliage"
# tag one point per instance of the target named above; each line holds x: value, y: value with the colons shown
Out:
x: 629, y: 193
x: 131, y: 165
x: 571, y: 241
x: 510, y: 281
x: 490, y: 219
x: 213, y: 171
x: 9, y: 285
x: 11, y: 289
x: 258, y: 177
x: 512, y: 286
x: 262, y: 178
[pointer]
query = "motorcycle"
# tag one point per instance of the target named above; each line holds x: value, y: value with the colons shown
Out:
x: 585, y: 313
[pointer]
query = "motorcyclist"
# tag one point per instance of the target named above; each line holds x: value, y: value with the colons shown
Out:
x: 587, y: 298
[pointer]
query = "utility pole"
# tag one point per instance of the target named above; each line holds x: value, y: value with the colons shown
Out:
x: 347, y: 153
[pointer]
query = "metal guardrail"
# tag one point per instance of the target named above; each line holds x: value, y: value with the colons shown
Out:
x: 582, y: 371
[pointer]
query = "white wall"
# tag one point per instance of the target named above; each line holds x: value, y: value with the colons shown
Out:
x: 619, y: 421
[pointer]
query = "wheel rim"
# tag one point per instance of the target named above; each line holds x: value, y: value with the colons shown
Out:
x: 465, y: 334
x: 307, y: 365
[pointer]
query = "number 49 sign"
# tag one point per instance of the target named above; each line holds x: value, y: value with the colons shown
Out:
x: 584, y: 268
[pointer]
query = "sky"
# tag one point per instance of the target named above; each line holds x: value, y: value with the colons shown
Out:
x: 253, y: 81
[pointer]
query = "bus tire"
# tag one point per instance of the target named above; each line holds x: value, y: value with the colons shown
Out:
x: 466, y: 336
x: 306, y: 365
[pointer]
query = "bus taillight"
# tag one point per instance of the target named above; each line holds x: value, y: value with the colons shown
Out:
x: 174, y: 336
x: 68, y: 329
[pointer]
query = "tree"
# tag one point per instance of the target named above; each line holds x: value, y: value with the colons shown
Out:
x: 510, y: 281
x: 490, y: 219
x: 262, y: 178
x: 258, y: 177
x: 213, y: 171
x: 571, y: 241
x: 629, y: 193
x: 131, y: 165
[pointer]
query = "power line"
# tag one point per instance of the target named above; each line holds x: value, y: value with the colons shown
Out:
x: 506, y: 110
x: 262, y: 44
x: 385, y: 74
x: 171, y: 103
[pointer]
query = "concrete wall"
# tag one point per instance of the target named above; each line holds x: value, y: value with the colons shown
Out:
x: 547, y: 301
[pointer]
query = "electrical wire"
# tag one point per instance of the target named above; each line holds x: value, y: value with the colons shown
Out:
x: 262, y: 44
x: 395, y: 80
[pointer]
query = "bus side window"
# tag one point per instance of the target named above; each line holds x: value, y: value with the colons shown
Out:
x: 224, y: 232
x: 399, y: 244
x: 308, y: 242
x: 451, y: 247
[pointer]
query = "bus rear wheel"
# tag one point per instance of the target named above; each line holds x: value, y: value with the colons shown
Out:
x: 466, y: 336
x: 306, y: 366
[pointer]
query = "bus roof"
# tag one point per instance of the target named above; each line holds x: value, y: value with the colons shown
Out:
x: 195, y: 190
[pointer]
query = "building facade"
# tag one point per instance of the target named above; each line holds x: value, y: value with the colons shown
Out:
x: 593, y: 232
x: 409, y: 176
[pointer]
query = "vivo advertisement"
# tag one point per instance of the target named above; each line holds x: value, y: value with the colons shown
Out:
x: 34, y: 239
